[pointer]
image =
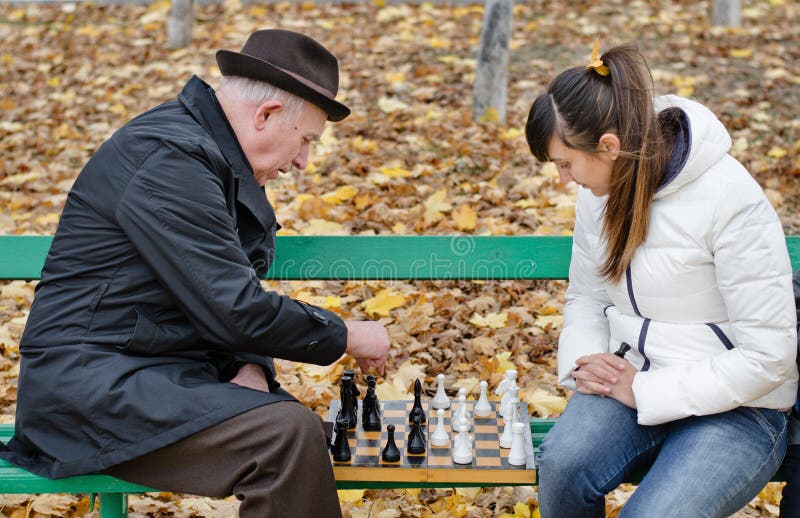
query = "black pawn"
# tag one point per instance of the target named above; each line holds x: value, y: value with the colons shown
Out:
x: 416, y: 410
x: 390, y: 452
x: 341, y: 446
x: 416, y: 441
x: 346, y: 411
x: 371, y: 416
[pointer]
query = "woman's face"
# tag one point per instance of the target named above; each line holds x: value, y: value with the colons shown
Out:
x: 590, y: 170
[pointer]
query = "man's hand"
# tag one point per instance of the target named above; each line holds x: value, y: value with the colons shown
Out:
x: 251, y: 376
x: 605, y: 374
x: 368, y: 343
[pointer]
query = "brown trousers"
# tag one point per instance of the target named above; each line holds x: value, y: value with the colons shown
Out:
x: 273, y: 458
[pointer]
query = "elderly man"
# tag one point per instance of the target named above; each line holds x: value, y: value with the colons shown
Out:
x: 148, y: 350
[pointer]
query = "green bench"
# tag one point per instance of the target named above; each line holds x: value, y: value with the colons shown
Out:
x: 326, y: 258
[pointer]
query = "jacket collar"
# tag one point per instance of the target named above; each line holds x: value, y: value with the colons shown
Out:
x: 201, y: 101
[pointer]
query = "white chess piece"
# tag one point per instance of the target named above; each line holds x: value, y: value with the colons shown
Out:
x: 440, y: 400
x: 505, y: 404
x: 505, y: 384
x: 517, y: 455
x: 440, y: 437
x: 463, y: 414
x: 462, y: 449
x: 508, y: 429
x: 483, y: 408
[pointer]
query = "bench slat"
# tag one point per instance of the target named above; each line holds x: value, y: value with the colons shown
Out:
x: 377, y: 257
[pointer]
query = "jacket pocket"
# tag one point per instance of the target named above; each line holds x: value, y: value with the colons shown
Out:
x: 144, y: 334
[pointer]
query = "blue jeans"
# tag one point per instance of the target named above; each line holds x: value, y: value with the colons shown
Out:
x: 699, y: 466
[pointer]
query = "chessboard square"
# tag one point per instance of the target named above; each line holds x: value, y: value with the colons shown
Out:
x: 489, y: 461
x: 487, y: 445
x: 362, y: 442
x: 374, y: 452
x: 440, y: 461
x: 484, y: 428
x: 439, y: 451
x: 486, y: 436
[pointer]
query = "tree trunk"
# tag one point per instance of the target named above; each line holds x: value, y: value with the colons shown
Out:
x: 179, y: 24
x: 491, y: 75
x: 727, y: 13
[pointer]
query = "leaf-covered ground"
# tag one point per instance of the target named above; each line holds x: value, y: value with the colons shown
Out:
x: 410, y: 160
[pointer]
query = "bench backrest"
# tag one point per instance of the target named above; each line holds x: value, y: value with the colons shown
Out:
x: 378, y: 257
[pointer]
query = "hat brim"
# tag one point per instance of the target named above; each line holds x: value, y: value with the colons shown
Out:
x: 237, y: 64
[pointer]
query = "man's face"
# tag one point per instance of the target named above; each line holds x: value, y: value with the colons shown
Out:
x: 276, y: 144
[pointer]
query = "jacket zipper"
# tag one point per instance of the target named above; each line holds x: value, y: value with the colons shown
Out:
x: 645, y: 324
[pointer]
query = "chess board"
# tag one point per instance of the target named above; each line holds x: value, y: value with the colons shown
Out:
x: 489, y: 462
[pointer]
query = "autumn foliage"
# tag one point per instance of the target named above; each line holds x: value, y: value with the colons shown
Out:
x: 410, y: 160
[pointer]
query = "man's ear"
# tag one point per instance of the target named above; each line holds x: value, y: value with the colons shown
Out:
x: 264, y: 111
x: 610, y: 144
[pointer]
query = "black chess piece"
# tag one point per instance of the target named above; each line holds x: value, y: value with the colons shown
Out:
x: 371, y: 412
x: 416, y: 410
x: 354, y: 392
x: 346, y: 411
x: 341, y: 446
x: 416, y: 440
x: 371, y: 381
x: 390, y: 452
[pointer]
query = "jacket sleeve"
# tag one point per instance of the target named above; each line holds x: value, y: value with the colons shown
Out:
x: 173, y: 211
x: 754, y: 278
x: 585, y: 329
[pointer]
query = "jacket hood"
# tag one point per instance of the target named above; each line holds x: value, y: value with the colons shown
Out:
x: 708, y: 141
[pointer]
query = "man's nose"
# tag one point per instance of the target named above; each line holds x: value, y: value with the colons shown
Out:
x: 301, y: 160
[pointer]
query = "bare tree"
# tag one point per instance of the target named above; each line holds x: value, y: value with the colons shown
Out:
x: 491, y: 76
x: 179, y: 24
x: 727, y: 13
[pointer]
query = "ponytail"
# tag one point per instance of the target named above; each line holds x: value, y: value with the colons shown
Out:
x: 581, y: 105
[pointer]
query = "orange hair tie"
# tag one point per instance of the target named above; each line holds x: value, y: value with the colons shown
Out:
x: 597, y: 63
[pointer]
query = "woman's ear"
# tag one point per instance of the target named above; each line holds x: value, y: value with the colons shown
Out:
x: 610, y: 144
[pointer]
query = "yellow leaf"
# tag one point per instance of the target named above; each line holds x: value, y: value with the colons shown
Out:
x: 326, y: 24
x: 491, y: 320
x: 777, y: 152
x: 382, y: 303
x: 389, y: 391
x: 322, y: 227
x: 554, y: 320
x: 741, y: 53
x: 54, y: 81
x: 536, y: 514
x: 503, y: 362
x: 448, y: 60
x: 544, y: 403
x: 511, y: 133
x: 350, y: 495
x: 521, y: 510
x: 395, y: 77
x: 465, y: 218
x: 391, y: 104
x: 363, y: 145
x: 439, y: 43
x: 472, y: 385
x: 48, y: 219
x: 435, y: 205
x: 490, y: 115
x: 6, y: 58
x: 379, y: 3
x: 395, y: 172
x: 341, y: 194
x: 470, y: 492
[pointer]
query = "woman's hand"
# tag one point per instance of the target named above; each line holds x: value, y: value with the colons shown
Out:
x: 604, y: 374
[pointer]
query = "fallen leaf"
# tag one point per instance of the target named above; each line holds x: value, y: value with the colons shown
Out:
x: 383, y: 302
x: 491, y: 320
x: 435, y: 205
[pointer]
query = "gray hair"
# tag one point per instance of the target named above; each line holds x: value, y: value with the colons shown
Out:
x: 257, y: 92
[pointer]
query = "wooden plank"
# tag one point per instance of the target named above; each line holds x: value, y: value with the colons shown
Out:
x: 378, y: 257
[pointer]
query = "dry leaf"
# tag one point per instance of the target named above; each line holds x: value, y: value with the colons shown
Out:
x: 382, y: 303
x: 491, y: 320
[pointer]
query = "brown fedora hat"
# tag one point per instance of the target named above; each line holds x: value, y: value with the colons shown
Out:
x: 292, y: 62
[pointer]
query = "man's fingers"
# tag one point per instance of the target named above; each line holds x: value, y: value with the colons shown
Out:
x: 614, y: 362
x: 597, y: 372
x: 590, y: 387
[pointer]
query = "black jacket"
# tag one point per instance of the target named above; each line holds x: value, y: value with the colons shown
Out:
x: 150, y: 300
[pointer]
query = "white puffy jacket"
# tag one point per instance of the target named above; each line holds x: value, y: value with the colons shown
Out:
x: 707, y: 303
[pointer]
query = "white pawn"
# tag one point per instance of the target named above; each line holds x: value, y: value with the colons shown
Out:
x: 517, y: 455
x: 463, y: 414
x: 440, y: 400
x: 508, y: 430
x: 483, y: 408
x: 462, y: 448
x: 440, y: 437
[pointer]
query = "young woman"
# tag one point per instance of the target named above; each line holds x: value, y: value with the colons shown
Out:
x: 678, y: 254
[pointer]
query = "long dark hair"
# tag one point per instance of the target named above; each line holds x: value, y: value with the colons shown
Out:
x: 581, y: 105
